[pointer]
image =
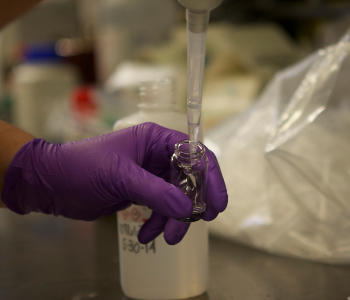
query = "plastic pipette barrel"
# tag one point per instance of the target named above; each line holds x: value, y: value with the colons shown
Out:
x: 197, y: 16
x: 197, y: 23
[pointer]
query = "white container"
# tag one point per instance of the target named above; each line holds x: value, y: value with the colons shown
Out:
x: 158, y: 270
x: 38, y: 89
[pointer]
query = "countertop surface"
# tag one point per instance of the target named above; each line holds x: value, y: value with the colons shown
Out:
x: 45, y: 257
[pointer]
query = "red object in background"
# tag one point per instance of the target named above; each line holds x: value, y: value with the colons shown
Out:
x: 83, y: 103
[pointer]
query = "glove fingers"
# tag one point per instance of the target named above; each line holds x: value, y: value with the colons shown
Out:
x: 160, y: 147
x: 216, y: 193
x: 164, y: 198
x: 152, y: 228
x: 174, y: 231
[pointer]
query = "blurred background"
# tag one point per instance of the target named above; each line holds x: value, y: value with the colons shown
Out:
x: 70, y: 69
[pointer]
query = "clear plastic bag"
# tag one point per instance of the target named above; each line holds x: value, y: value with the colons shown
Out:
x: 286, y: 162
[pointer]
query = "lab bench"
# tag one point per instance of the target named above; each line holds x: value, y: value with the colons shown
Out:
x: 45, y: 257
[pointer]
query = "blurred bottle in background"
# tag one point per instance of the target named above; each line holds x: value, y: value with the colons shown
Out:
x: 83, y: 117
x: 42, y: 82
x: 50, y: 51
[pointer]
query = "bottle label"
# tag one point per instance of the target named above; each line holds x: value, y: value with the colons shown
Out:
x: 130, y: 221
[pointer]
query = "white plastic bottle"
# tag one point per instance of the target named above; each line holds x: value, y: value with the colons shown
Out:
x: 41, y: 84
x: 158, y: 270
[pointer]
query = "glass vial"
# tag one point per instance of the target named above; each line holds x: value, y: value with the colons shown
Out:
x: 189, y: 168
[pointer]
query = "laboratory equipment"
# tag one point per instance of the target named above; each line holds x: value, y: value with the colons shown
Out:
x: 189, y: 173
x: 157, y: 270
x: 197, y: 16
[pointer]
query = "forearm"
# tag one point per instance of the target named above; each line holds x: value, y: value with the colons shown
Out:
x: 10, y: 10
x: 11, y: 140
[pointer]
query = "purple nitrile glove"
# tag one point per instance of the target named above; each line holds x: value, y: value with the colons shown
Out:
x: 101, y: 175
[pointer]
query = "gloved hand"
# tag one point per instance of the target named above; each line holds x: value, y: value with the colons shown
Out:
x: 101, y: 175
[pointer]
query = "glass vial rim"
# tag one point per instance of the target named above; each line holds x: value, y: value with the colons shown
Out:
x: 182, y: 150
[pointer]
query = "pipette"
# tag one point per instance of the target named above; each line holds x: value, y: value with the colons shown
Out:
x: 197, y: 17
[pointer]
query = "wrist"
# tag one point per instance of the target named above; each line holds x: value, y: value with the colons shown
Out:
x: 12, y: 140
